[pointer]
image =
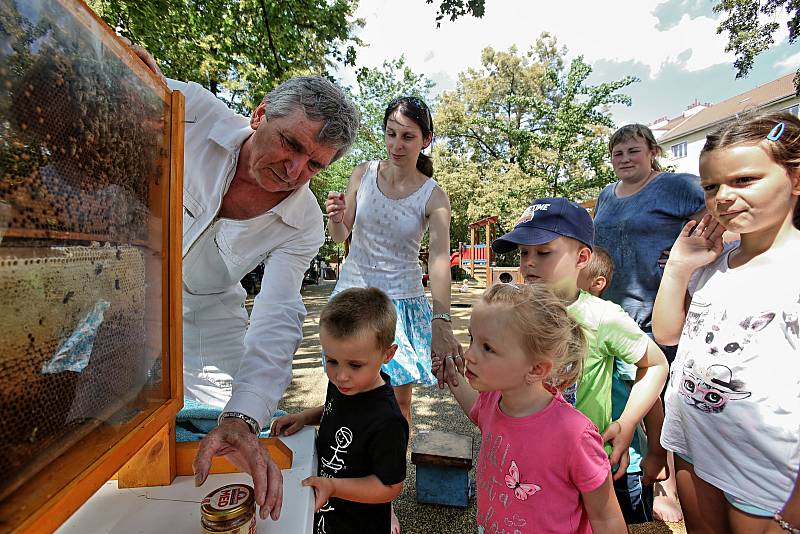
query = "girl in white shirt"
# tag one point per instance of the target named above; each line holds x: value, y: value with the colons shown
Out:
x: 733, y: 401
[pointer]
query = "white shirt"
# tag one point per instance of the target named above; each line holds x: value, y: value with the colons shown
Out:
x: 219, y: 341
x: 733, y: 400
x: 387, y: 233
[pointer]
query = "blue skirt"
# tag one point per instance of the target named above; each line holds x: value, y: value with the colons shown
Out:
x: 412, y: 361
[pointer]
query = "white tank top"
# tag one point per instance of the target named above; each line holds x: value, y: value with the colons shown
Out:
x: 384, y: 251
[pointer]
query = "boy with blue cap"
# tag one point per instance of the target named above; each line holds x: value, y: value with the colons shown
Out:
x: 555, y: 238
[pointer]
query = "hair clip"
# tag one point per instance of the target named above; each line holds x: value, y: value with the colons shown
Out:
x: 776, y: 132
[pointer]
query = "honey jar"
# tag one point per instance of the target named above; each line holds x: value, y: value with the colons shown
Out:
x: 230, y: 509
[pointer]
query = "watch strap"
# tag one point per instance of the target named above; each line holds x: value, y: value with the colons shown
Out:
x: 442, y: 316
x: 255, y: 428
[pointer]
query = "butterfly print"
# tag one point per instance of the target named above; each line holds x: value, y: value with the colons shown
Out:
x: 521, y: 490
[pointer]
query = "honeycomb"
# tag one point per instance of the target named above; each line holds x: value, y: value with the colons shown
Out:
x: 82, y: 137
x: 82, y: 156
x: 48, y: 291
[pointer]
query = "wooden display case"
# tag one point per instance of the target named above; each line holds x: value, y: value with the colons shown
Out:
x: 91, y: 162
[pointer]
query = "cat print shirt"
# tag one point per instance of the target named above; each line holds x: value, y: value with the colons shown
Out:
x: 532, y: 470
x: 733, y: 399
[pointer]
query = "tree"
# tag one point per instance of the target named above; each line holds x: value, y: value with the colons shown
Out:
x: 523, y: 126
x: 750, y: 25
x: 565, y: 141
x: 238, y: 49
x: 458, y: 8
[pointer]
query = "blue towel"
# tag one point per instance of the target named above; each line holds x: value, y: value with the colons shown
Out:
x: 196, y: 420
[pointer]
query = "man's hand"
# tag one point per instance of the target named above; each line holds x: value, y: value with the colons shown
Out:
x: 287, y: 424
x: 620, y: 437
x: 148, y: 59
x: 233, y: 439
x: 323, y: 490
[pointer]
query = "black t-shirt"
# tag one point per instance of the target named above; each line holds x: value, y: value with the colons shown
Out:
x: 360, y: 435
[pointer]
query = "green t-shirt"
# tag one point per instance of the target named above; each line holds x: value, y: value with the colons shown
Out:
x: 610, y: 333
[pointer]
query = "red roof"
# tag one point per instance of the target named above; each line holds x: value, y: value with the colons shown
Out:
x: 774, y: 91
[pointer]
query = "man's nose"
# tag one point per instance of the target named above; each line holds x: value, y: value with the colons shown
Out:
x: 294, y: 166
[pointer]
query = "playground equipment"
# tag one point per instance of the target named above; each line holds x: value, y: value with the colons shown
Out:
x: 478, y: 259
x: 475, y: 258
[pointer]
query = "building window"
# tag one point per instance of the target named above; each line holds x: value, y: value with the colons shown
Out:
x: 678, y: 151
x: 794, y: 109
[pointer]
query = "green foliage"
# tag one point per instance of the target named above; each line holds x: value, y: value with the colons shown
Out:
x: 240, y: 49
x: 750, y: 25
x: 522, y: 127
x: 458, y: 8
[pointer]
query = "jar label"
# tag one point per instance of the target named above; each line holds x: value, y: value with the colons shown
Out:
x: 228, y: 497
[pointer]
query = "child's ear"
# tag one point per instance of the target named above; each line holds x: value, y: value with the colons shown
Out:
x: 584, y: 255
x: 388, y: 354
x: 538, y: 372
x: 794, y: 174
x: 599, y: 284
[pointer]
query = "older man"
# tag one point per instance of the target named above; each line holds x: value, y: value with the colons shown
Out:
x: 246, y: 200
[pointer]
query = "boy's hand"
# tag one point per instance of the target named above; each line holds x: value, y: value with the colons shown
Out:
x: 654, y: 467
x: 323, y: 490
x: 620, y: 437
x: 287, y: 425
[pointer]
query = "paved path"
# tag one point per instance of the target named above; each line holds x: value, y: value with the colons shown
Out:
x: 433, y: 409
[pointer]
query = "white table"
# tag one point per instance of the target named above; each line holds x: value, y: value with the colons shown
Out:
x: 176, y: 508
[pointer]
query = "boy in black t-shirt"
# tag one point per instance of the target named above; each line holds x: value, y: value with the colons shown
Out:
x: 363, y: 435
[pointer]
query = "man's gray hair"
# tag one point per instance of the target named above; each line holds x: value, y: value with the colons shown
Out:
x: 321, y: 101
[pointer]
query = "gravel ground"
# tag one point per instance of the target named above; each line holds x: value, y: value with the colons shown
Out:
x: 433, y: 409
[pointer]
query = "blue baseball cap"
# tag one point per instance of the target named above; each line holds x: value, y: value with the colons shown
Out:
x: 547, y: 219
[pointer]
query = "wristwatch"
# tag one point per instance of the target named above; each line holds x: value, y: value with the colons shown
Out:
x: 443, y: 317
x: 252, y: 423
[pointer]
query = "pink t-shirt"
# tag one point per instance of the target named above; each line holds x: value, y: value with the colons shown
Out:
x: 532, y: 470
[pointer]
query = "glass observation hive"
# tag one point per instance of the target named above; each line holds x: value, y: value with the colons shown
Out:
x: 91, y: 148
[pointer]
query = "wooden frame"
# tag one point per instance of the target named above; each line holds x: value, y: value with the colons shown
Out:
x: 43, y: 503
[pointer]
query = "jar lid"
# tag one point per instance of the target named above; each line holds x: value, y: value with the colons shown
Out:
x: 228, y: 502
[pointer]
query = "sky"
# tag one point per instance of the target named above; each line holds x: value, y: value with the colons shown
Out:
x: 670, y: 45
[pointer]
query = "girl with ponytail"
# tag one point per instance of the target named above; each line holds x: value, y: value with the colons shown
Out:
x: 386, y: 209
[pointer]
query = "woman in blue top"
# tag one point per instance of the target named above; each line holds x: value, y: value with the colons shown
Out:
x: 637, y: 219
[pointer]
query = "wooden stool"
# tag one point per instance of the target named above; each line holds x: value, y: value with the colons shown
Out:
x: 443, y: 462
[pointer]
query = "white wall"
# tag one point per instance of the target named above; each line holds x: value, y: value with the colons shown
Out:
x: 695, y: 141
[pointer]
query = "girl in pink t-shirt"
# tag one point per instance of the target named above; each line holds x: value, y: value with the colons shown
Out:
x: 542, y: 467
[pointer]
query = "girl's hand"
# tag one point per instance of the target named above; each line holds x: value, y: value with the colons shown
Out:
x: 654, y: 467
x: 443, y: 345
x: 620, y: 437
x: 698, y: 244
x: 335, y: 206
x: 323, y: 490
x: 287, y: 425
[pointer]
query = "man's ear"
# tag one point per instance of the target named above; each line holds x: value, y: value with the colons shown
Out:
x: 538, y: 372
x: 389, y: 353
x: 258, y: 116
